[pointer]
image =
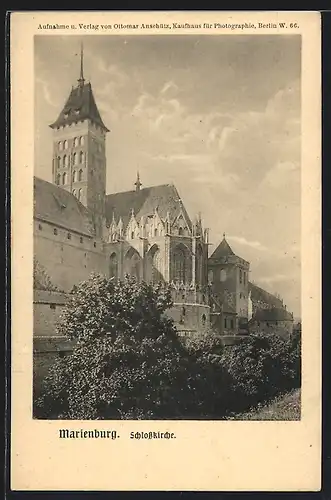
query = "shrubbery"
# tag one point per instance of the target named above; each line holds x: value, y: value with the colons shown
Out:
x: 128, y: 362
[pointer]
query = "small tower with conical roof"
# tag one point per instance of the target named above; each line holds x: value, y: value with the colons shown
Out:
x: 79, y: 149
x: 228, y: 279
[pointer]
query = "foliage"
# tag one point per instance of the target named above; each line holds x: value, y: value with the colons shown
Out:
x: 283, y: 407
x: 260, y: 367
x: 41, y: 280
x: 128, y: 361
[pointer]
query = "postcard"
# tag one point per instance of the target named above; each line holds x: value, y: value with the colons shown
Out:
x: 166, y: 251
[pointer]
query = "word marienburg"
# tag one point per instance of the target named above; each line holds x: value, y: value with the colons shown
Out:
x: 86, y: 434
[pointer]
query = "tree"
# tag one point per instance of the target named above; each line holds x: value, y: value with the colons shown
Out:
x: 41, y: 280
x: 127, y: 360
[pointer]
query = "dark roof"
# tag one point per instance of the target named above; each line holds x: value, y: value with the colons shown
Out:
x: 57, y: 206
x: 80, y: 106
x: 273, y: 314
x: 144, y: 202
x: 223, y: 250
x: 260, y: 295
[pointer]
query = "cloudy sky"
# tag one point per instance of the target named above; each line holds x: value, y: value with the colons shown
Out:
x: 217, y: 115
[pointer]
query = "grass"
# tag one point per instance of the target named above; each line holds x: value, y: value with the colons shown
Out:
x: 285, y: 407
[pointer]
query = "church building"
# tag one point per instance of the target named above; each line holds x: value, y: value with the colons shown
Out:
x: 145, y: 232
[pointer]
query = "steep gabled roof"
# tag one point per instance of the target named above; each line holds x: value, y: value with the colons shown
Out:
x: 144, y: 202
x: 223, y: 250
x: 80, y: 105
x: 273, y: 314
x: 257, y: 294
x: 55, y: 205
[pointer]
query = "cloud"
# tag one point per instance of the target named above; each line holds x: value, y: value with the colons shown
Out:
x: 46, y: 91
x: 169, y: 86
x: 243, y: 241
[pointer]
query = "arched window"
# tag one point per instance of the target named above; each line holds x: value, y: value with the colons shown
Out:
x: 64, y: 161
x: 223, y: 275
x: 80, y: 175
x: 132, y: 235
x: 179, y: 264
x: 156, y: 264
x: 155, y: 231
x: 64, y: 178
x: 60, y: 146
x: 58, y: 179
x: 81, y: 141
x: 65, y: 145
x: 75, y: 142
x: 180, y: 231
x: 203, y: 319
x: 74, y: 158
x: 199, y: 265
x: 113, y: 265
x: 79, y: 194
x: 74, y: 176
x: 132, y: 263
x: 81, y: 157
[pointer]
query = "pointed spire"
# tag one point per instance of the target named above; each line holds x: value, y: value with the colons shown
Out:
x: 138, y: 184
x: 81, y: 79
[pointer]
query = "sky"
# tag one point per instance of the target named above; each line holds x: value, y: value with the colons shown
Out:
x: 219, y: 116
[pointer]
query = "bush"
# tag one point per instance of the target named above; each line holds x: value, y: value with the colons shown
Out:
x: 127, y: 360
x: 260, y: 367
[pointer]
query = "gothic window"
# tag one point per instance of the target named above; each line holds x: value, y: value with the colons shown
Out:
x: 223, y: 275
x: 132, y: 263
x: 60, y: 146
x: 58, y: 179
x: 156, y: 265
x: 74, y: 157
x: 180, y: 231
x: 155, y: 232
x: 64, y: 178
x: 79, y: 194
x: 80, y: 175
x: 81, y: 141
x: 203, y: 319
x: 81, y: 157
x: 199, y: 265
x: 74, y: 176
x: 225, y: 323
x: 75, y: 142
x: 65, y: 145
x: 113, y: 266
x: 74, y: 192
x: 64, y: 161
x: 179, y: 264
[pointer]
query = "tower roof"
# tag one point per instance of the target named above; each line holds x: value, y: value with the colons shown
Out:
x: 223, y: 250
x: 80, y: 104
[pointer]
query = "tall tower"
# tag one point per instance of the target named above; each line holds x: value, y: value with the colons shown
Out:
x: 228, y: 277
x: 79, y: 149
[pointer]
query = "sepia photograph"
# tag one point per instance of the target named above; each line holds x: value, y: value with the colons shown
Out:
x: 167, y: 227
